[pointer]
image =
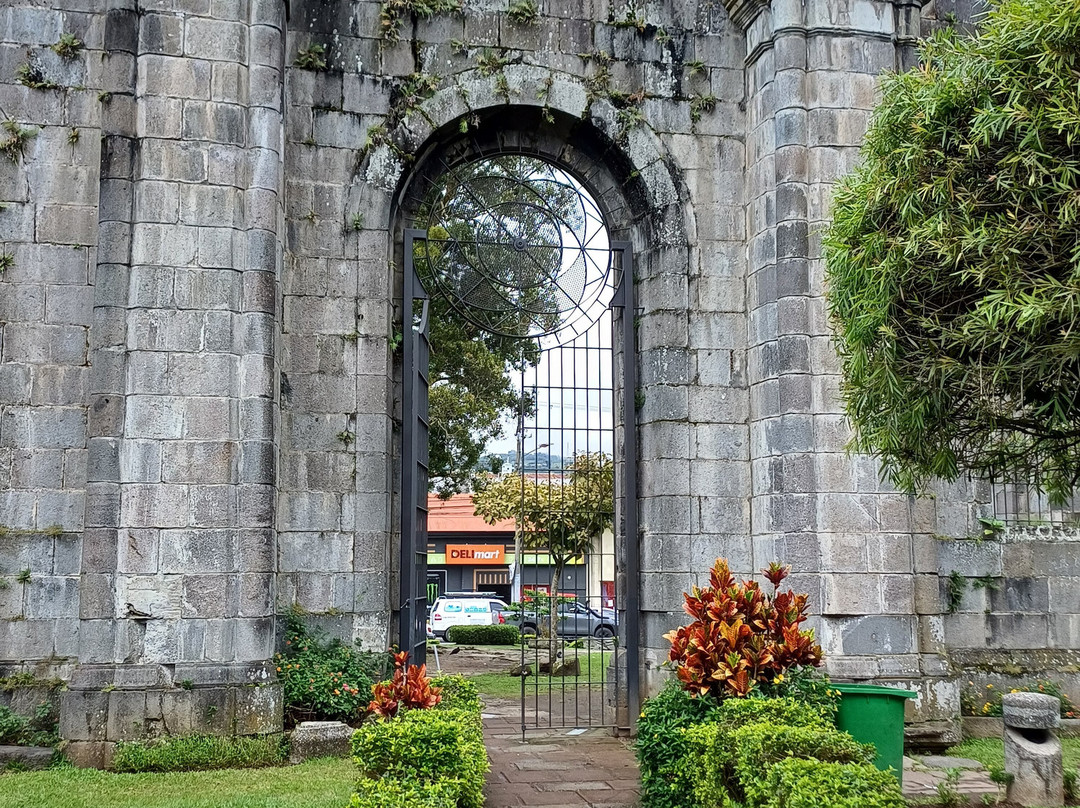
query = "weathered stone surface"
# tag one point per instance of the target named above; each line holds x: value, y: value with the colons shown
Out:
x: 987, y: 727
x: 314, y: 739
x: 1034, y: 761
x: 945, y: 762
x: 26, y: 757
x: 91, y: 754
x: 201, y: 301
x: 1031, y: 710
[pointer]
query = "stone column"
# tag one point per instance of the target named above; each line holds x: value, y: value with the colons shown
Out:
x: 177, y: 606
x: 812, y: 72
x: 338, y: 427
x: 693, y: 442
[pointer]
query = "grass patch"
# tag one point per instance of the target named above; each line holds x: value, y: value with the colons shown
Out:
x: 990, y: 752
x: 194, y: 752
x: 316, y: 784
x: 501, y: 685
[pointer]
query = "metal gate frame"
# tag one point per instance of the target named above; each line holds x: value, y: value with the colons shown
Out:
x: 412, y: 617
x: 412, y: 620
x: 626, y: 301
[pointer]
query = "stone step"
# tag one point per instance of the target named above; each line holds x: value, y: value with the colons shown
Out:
x: 25, y: 757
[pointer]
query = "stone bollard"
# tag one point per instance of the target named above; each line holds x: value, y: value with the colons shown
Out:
x: 315, y: 739
x: 1032, y: 750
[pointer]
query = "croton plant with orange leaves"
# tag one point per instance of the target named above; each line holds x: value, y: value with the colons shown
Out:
x: 409, y: 688
x: 741, y: 636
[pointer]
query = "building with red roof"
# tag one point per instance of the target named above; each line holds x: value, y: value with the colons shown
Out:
x: 466, y: 554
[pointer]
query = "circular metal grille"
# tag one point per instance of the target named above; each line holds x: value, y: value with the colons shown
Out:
x: 517, y: 246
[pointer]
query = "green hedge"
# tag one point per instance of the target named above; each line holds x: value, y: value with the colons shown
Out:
x: 754, y: 753
x: 422, y: 749
x: 797, y: 783
x: 662, y: 747
x: 193, y: 752
x: 405, y: 794
x: 708, y: 766
x: 484, y: 635
x: 735, y: 713
x: 683, y: 739
x: 458, y: 693
x: 758, y: 747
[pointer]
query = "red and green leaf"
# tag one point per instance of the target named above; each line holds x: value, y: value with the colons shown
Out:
x: 740, y: 636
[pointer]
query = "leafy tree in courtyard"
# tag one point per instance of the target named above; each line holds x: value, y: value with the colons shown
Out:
x: 953, y: 257
x: 562, y: 515
x: 471, y: 391
x: 473, y: 212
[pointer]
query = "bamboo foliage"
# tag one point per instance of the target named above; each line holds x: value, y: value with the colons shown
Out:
x: 953, y: 257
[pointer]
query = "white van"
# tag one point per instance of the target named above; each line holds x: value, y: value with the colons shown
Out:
x: 465, y: 609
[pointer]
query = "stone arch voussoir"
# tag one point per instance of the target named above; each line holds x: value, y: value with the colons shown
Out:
x: 649, y: 173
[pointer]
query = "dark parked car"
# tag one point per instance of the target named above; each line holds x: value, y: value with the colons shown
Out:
x: 575, y: 620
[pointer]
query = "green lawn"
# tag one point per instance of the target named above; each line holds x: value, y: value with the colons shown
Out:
x: 500, y: 685
x: 991, y: 751
x: 316, y: 784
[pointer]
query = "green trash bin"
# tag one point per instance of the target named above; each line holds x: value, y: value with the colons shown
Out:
x: 875, y: 714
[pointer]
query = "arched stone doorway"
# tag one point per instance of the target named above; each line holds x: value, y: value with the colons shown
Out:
x: 595, y: 172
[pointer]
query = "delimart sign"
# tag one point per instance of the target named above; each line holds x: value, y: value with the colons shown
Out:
x: 475, y: 554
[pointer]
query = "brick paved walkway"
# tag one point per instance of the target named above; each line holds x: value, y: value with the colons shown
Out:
x: 923, y: 773
x: 588, y: 770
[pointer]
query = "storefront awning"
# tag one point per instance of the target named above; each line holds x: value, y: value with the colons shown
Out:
x: 527, y: 559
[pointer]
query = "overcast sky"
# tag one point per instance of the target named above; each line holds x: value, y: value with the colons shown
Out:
x: 572, y: 388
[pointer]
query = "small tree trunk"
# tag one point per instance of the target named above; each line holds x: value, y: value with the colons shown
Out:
x: 553, y: 615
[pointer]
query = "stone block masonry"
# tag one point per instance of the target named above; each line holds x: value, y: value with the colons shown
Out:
x: 49, y: 197
x: 200, y: 275
x: 139, y: 340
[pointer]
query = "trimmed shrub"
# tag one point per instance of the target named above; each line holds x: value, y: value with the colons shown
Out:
x: 458, y: 693
x: 735, y: 713
x: 662, y: 746
x: 427, y: 746
x: 405, y: 794
x: 484, y: 635
x: 811, y: 784
x: 759, y: 746
x: 193, y: 752
x: 808, y: 686
x: 708, y: 764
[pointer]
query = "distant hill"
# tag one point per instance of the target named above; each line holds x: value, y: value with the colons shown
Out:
x: 534, y: 461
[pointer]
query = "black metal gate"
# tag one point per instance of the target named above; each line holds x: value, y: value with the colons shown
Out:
x: 580, y: 667
x: 549, y: 275
x: 414, y: 461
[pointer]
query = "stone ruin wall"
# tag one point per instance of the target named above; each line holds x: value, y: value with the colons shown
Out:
x: 198, y: 409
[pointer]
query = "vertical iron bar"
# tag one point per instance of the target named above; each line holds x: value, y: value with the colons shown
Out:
x: 518, y: 588
x: 553, y: 596
x: 408, y: 453
x: 412, y: 637
x: 630, y: 495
